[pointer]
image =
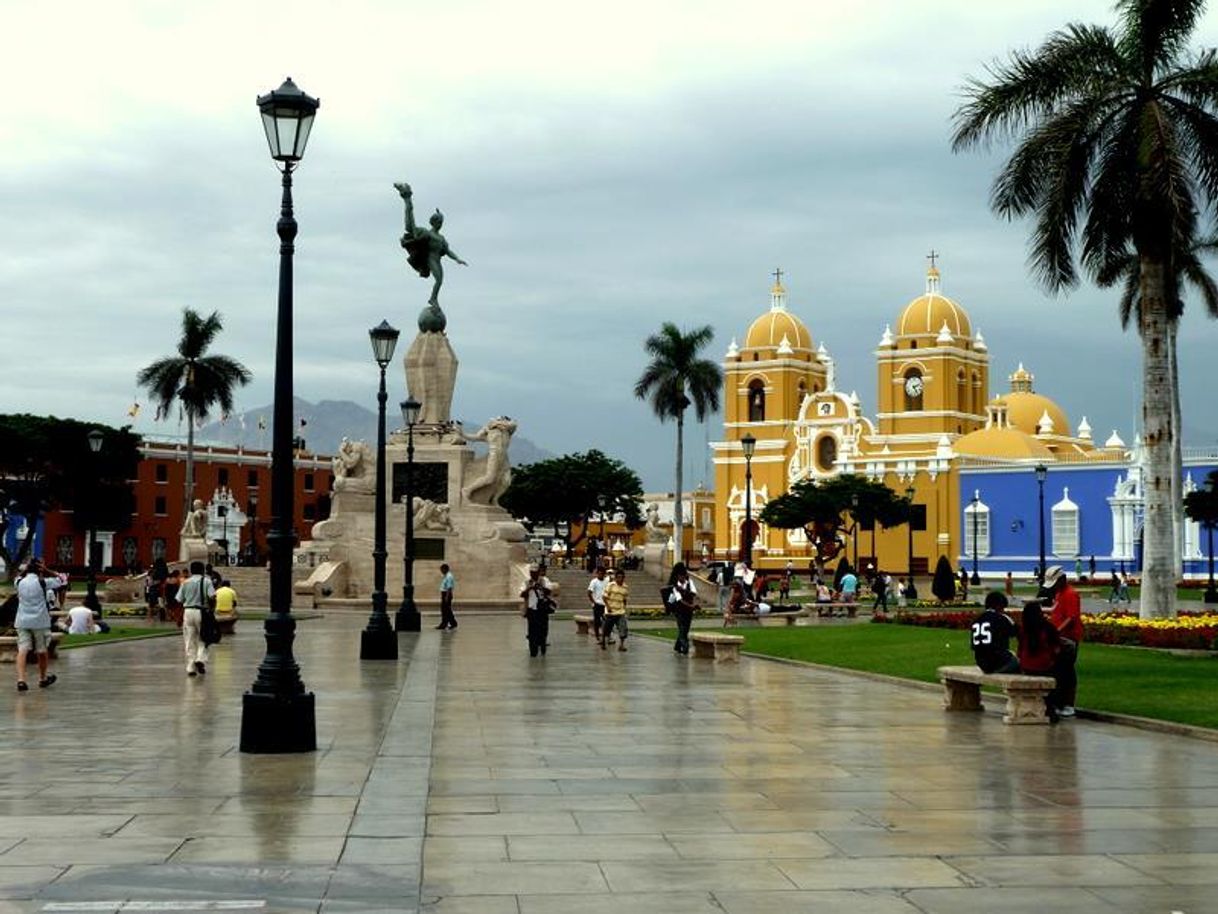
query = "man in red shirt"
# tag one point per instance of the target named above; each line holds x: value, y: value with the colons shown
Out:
x: 1067, y: 618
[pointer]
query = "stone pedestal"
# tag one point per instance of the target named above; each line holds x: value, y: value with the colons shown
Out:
x: 456, y: 521
x: 431, y: 376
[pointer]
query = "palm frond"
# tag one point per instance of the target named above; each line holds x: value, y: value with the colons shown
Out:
x: 1153, y: 32
x: 1029, y: 85
x: 162, y: 379
x: 198, y: 333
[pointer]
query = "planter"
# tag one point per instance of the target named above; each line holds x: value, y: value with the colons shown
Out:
x: 8, y: 647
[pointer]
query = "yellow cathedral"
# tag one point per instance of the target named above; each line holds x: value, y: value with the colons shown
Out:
x: 933, y: 412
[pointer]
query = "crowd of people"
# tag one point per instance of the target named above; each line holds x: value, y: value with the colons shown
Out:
x: 1046, y: 644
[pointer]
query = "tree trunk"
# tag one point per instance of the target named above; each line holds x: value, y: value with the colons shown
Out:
x: 678, y: 532
x: 1177, y: 452
x: 1158, y: 433
x: 190, y: 462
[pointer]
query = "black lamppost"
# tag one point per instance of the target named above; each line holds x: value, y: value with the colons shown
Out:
x: 222, y: 511
x: 277, y: 714
x: 976, y: 578
x: 1042, y: 473
x: 91, y: 602
x: 854, y: 516
x: 253, y: 543
x: 1211, y: 594
x: 407, y: 618
x: 909, y: 495
x: 749, y: 445
x: 377, y: 641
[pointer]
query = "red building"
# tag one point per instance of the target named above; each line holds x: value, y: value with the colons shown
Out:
x: 235, y: 473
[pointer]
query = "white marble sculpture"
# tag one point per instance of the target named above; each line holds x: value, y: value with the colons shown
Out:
x: 430, y: 516
x: 351, y: 466
x: 496, y: 476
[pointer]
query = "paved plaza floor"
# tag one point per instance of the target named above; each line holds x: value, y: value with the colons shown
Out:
x: 467, y: 778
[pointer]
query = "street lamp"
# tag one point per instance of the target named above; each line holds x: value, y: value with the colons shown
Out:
x: 1211, y: 594
x: 854, y: 516
x: 1042, y: 473
x: 95, y: 438
x: 909, y: 496
x: 222, y: 513
x: 407, y: 618
x: 377, y: 641
x: 748, y: 444
x: 976, y: 578
x: 253, y: 543
x: 277, y: 714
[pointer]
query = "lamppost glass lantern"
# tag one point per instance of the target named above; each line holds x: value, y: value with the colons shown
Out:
x: 410, y: 411
x: 749, y: 444
x: 95, y: 440
x: 384, y: 339
x: 287, y: 118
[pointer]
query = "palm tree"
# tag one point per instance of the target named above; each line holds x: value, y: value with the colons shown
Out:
x: 1190, y: 270
x: 200, y: 381
x: 1117, y: 151
x: 673, y: 379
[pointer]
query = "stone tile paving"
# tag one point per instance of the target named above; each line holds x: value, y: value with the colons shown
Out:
x: 468, y: 778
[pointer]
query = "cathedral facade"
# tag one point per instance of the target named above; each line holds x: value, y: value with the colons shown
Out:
x: 934, y: 417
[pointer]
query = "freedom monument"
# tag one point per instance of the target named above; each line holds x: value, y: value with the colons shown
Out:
x: 456, y: 513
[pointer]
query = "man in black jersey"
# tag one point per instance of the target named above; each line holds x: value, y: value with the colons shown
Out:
x: 991, y: 636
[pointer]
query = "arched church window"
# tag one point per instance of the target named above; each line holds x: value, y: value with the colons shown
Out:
x: 826, y: 452
x: 800, y: 393
x: 1065, y: 527
x: 914, y: 389
x: 962, y: 398
x: 756, y: 401
x: 976, y: 527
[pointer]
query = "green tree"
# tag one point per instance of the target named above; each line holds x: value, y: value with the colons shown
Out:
x: 1117, y: 150
x: 943, y: 584
x: 676, y: 377
x: 47, y: 463
x: 200, y: 381
x: 1201, y: 505
x: 820, y: 508
x: 571, y: 488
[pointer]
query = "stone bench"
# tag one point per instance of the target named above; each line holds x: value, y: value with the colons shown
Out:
x: 227, y: 623
x: 716, y: 646
x: 583, y: 625
x: 1025, y: 694
x: 836, y: 609
x: 781, y: 617
x: 8, y: 647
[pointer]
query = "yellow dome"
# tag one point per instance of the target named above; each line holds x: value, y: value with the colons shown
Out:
x: 1025, y: 410
x: 927, y: 314
x: 768, y: 330
x: 1001, y: 442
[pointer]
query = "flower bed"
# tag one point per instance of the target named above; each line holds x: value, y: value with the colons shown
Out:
x: 1191, y: 631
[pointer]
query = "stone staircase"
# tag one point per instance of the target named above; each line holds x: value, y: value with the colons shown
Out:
x: 573, y: 584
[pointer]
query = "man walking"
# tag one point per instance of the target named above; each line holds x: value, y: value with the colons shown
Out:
x: 447, y: 584
x: 33, y: 625
x: 596, y: 596
x: 196, y: 594
x: 616, y: 593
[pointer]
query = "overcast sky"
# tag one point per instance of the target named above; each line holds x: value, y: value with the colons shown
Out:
x: 603, y: 167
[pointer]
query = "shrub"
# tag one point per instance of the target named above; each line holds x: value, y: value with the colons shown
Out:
x: 944, y: 584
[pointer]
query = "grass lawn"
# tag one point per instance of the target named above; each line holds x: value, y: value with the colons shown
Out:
x: 1122, y: 680
x: 116, y: 633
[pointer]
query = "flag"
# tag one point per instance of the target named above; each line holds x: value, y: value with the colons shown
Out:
x: 134, y: 410
x: 241, y: 421
x: 262, y: 423
x: 304, y: 422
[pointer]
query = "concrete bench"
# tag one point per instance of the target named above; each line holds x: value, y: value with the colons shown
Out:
x: 836, y: 609
x: 779, y: 618
x: 227, y: 623
x: 716, y: 646
x: 1025, y: 694
x: 8, y: 647
x: 583, y: 625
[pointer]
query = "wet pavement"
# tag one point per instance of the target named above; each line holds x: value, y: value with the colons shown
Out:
x: 467, y: 778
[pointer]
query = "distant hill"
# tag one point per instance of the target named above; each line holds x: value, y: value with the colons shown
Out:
x: 326, y: 422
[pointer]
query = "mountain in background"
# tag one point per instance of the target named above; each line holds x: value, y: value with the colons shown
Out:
x: 325, y: 424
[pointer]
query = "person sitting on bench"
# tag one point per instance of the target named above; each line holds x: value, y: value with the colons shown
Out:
x: 991, y: 637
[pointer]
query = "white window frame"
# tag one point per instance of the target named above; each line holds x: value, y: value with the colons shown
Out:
x: 1066, y: 528
x: 982, y: 510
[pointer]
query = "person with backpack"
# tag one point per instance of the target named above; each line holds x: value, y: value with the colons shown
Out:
x: 197, y: 595
x: 33, y: 623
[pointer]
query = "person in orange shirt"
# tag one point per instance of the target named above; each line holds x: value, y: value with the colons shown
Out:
x: 1067, y: 618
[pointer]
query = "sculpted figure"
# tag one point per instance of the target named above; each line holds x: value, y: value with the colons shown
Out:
x: 351, y: 465
x: 426, y: 247
x: 652, y: 527
x: 497, y: 473
x: 428, y: 515
x: 195, y: 525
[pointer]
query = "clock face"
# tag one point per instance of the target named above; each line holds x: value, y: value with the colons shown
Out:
x: 913, y: 385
